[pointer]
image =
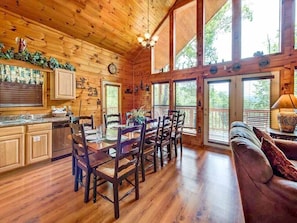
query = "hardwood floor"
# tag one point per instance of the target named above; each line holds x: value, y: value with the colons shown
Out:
x: 199, y: 186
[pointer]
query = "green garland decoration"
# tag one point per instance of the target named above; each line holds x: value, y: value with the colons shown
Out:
x: 35, y: 58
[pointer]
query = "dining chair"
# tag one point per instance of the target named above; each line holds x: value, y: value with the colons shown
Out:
x: 164, y: 138
x: 112, y: 119
x: 87, y: 121
x: 173, y: 112
x: 129, y: 120
x: 124, y: 165
x: 83, y: 160
x: 148, y: 114
x: 149, y: 151
x: 177, y: 131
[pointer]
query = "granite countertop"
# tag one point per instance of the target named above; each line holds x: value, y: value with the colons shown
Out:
x: 30, y: 121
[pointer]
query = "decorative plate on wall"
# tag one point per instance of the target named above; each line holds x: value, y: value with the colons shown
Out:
x: 112, y: 68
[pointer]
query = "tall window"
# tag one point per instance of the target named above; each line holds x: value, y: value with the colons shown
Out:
x: 218, y: 31
x: 185, y: 44
x: 186, y: 101
x: 160, y: 52
x: 260, y: 27
x: 160, y: 99
x: 295, y: 45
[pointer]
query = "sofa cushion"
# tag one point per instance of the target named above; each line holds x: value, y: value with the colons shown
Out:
x: 259, y: 133
x: 252, y: 159
x: 240, y: 131
x: 284, y: 187
x: 278, y: 160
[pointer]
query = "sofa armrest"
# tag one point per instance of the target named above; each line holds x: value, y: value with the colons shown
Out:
x: 288, y: 147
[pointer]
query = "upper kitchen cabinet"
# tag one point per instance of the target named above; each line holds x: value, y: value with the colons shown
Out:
x: 62, y: 84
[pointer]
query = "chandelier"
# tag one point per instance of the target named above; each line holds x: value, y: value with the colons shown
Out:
x: 146, y: 40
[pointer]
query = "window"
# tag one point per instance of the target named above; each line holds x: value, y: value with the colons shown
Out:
x: 111, y: 93
x: 256, y: 102
x: 260, y: 27
x: 185, y: 43
x: 186, y: 101
x: 160, y: 99
x: 160, y: 52
x: 218, y: 31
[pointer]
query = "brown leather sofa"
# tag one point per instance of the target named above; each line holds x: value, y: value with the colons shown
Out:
x: 265, y: 196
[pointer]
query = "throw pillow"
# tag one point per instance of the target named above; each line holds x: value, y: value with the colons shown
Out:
x: 259, y: 133
x: 278, y: 160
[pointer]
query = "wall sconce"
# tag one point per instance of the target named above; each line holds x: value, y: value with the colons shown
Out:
x: 128, y: 91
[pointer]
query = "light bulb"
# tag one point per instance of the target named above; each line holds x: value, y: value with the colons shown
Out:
x: 155, y: 38
x: 143, y: 43
x: 147, y: 35
x: 140, y: 39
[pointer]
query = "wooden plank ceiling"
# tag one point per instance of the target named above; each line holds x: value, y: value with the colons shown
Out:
x: 110, y: 24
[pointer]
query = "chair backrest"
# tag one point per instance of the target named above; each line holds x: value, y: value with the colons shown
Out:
x: 129, y: 144
x: 79, y: 143
x: 179, y: 125
x: 112, y: 119
x: 148, y: 114
x: 86, y: 120
x: 173, y: 114
x: 151, y: 131
x: 165, y: 129
x: 129, y: 121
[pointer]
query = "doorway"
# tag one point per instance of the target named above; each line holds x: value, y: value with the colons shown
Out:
x: 246, y: 98
x: 111, y: 94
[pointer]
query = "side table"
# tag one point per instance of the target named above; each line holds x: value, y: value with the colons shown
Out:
x: 274, y: 133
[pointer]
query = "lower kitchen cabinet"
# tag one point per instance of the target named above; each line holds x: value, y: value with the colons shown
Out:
x: 12, y: 150
x: 38, y: 142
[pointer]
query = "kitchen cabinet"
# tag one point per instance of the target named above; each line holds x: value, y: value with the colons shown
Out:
x: 38, y: 142
x: 12, y: 151
x: 62, y: 84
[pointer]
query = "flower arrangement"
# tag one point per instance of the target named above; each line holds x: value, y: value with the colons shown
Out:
x: 138, y: 115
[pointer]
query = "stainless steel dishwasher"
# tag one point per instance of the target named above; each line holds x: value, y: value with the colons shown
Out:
x: 61, y: 142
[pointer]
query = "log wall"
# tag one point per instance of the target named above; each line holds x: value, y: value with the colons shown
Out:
x: 90, y: 62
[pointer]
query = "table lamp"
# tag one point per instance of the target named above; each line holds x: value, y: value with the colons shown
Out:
x: 287, y: 120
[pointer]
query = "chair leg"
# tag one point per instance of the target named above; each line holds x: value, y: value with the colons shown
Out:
x: 116, y: 200
x: 155, y: 159
x: 95, y: 189
x: 73, y: 164
x: 136, y: 184
x: 169, y: 151
x: 161, y: 156
x: 181, y: 144
x: 76, y: 178
x: 175, y: 147
x: 87, y: 187
x: 143, y: 168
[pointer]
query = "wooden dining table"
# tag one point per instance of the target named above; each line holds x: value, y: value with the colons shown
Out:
x: 108, y: 141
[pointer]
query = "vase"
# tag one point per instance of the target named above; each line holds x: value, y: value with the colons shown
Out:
x: 287, y: 121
